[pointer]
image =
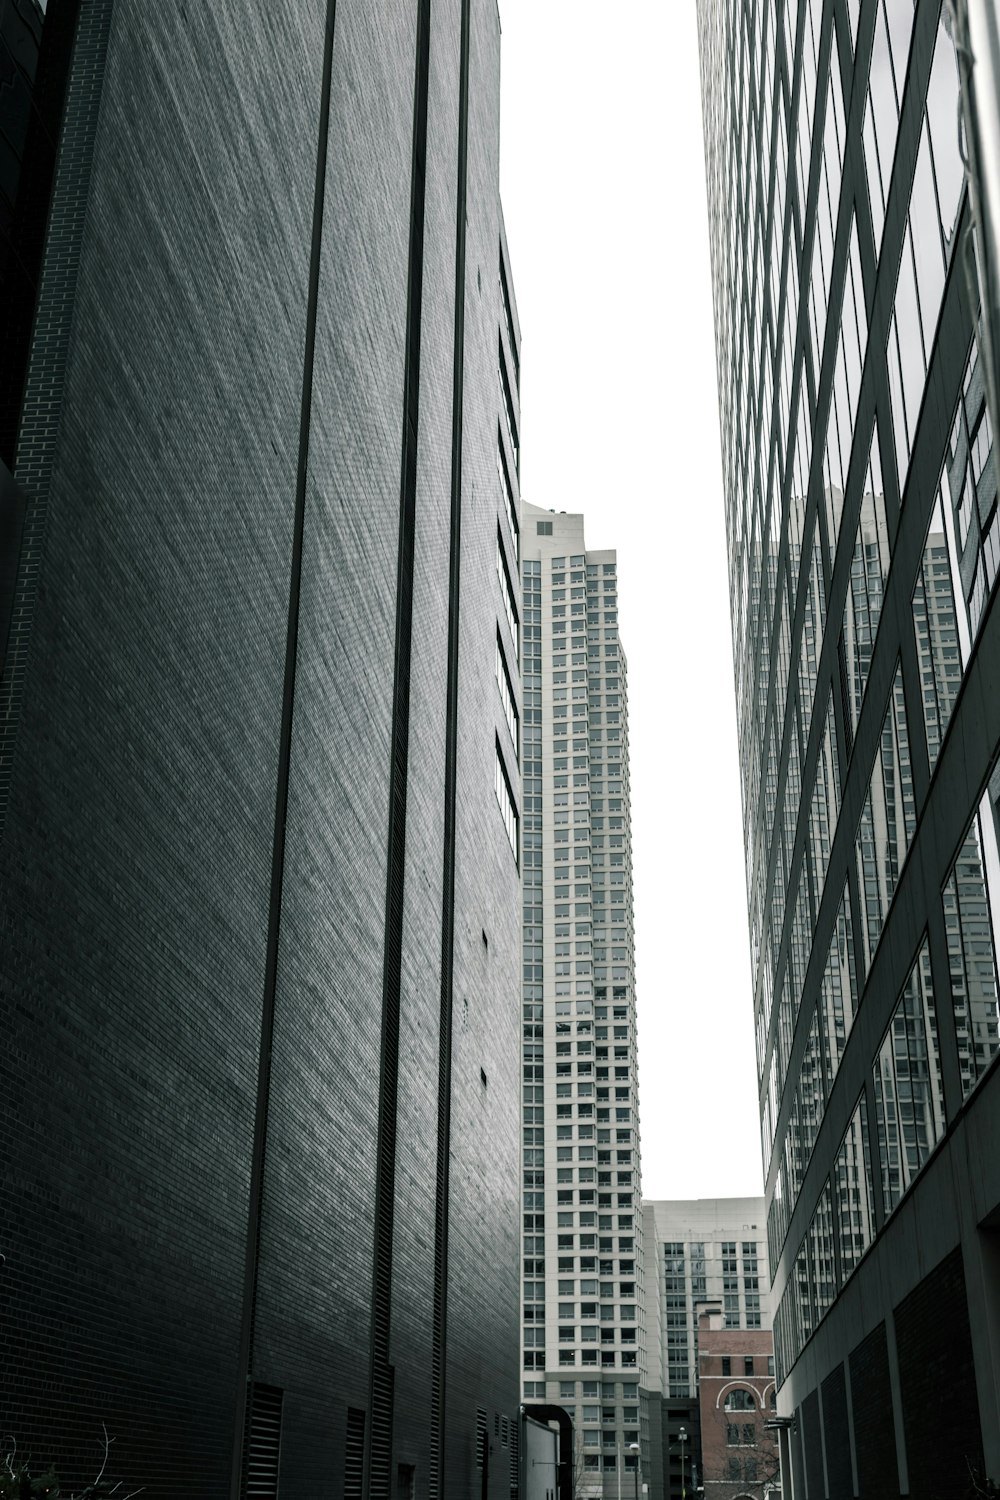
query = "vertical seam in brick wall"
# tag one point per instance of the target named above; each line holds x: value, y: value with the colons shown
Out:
x: 440, y: 1309
x: 50, y: 342
x: 380, y: 1370
x: 281, y: 791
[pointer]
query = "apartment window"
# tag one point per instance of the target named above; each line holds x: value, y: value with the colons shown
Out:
x: 507, y: 594
x: 543, y: 528
x: 505, y: 800
x: 507, y: 698
x: 740, y: 1401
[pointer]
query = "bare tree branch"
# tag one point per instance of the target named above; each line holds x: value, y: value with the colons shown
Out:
x: 104, y: 1465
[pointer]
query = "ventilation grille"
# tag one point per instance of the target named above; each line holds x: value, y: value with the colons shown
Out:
x: 515, y: 1476
x: 380, y: 1456
x: 263, y: 1443
x: 354, y: 1454
x: 480, y: 1439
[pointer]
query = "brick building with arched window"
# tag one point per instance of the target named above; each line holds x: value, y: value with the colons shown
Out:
x: 736, y: 1386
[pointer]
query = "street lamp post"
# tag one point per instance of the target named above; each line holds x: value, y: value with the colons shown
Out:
x: 683, y: 1437
x: 634, y: 1448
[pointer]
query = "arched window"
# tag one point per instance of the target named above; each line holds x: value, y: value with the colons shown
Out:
x: 740, y: 1401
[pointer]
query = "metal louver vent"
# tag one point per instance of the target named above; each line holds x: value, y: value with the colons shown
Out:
x: 263, y: 1443
x: 354, y: 1454
x: 515, y: 1475
x: 481, y: 1438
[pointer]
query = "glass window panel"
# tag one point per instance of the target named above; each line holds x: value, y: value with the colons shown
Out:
x: 887, y: 822
x: 784, y: 656
x: 801, y: 935
x: 777, y: 1218
x: 845, y: 406
x: 925, y: 228
x: 909, y: 1108
x: 811, y: 1097
x: 896, y: 404
x: 825, y: 806
x: 803, y: 1294
x: 786, y: 1024
x: 769, y: 1116
x: 873, y: 173
x: 899, y: 14
x: 942, y: 116
x: 971, y: 899
x: 854, y: 1192
x: 793, y: 786
x: 823, y: 1265
x: 905, y: 333
x: 869, y: 566
x: 854, y: 10
x: 835, y: 113
x: 779, y: 887
x: 770, y: 787
x: 813, y: 627
x: 884, y: 113
x: 839, y: 992
x: 935, y: 629
x: 972, y: 516
x: 854, y: 321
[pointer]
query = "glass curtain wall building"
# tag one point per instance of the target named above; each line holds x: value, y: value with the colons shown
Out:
x: 584, y: 1342
x: 863, y: 542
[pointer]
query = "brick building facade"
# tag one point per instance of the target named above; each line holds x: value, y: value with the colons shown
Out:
x: 739, y: 1454
x: 259, y: 785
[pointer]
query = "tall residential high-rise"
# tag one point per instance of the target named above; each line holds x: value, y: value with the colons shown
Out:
x: 259, y: 760
x: 864, y: 544
x: 698, y: 1252
x: 584, y: 1333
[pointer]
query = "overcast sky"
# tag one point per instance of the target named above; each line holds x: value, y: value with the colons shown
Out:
x: 602, y: 177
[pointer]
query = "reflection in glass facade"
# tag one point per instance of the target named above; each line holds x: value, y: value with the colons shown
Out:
x: 909, y: 1108
x: 863, y: 538
x: 971, y: 910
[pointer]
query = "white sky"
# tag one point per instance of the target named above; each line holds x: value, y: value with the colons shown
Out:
x: 602, y: 178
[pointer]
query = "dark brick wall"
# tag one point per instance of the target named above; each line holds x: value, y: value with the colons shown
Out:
x: 874, y: 1428
x: 798, y: 1463
x: 938, y: 1385
x: 135, y: 861
x: 835, y: 1431
x: 135, y: 865
x: 812, y: 1446
x: 315, y: 1288
x: 484, y: 1258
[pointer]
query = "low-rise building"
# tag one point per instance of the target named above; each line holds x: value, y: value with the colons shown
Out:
x: 739, y: 1452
